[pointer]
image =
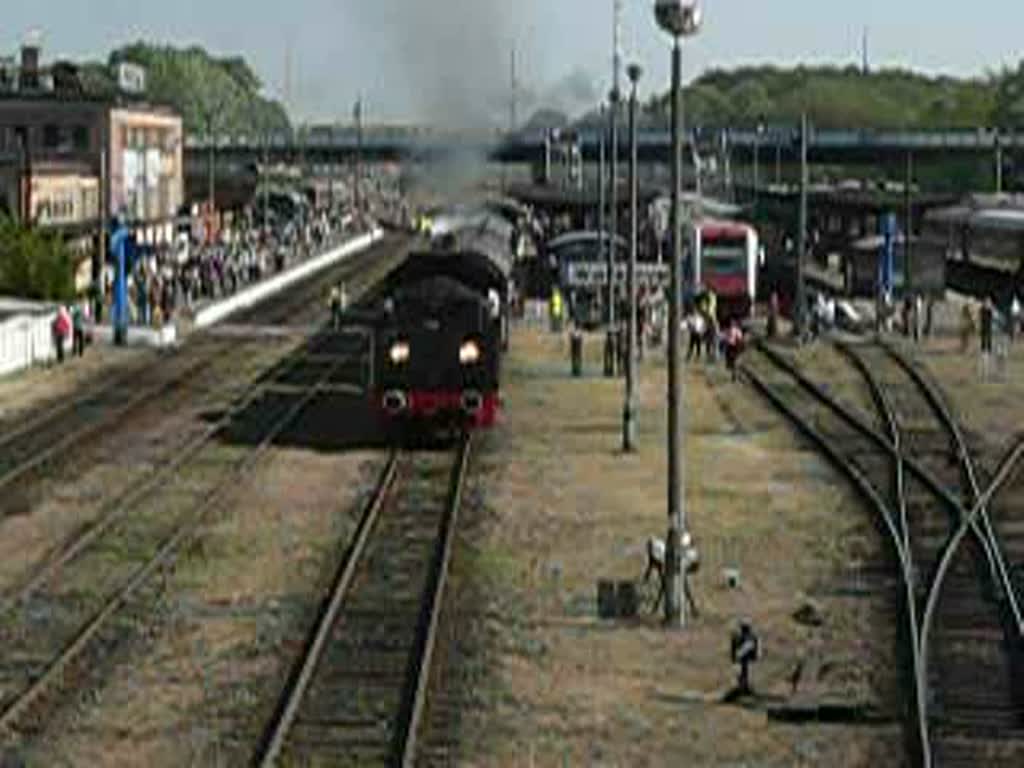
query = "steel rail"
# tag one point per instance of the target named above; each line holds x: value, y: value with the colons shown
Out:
x: 296, y: 691
x: 888, y: 410
x: 68, y: 439
x: 182, y: 535
x: 858, y: 421
x: 407, y: 734
x: 897, y: 539
x: 118, y: 507
x: 280, y: 306
x: 1010, y: 463
x: 977, y: 518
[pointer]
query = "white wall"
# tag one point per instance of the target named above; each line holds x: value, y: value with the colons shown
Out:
x: 26, y: 340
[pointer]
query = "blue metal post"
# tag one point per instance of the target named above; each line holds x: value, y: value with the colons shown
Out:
x: 119, y: 247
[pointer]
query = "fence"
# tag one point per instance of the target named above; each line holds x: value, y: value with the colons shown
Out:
x: 26, y: 340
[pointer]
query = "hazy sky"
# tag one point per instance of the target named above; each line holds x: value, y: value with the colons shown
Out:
x: 429, y: 59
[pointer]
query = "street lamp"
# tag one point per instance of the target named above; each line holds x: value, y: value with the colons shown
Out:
x: 680, y: 18
x: 629, y: 412
x: 758, y: 136
x: 613, y: 297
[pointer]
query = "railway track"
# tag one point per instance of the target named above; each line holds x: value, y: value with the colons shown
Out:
x: 960, y: 611
x: 357, y: 695
x: 32, y: 448
x: 77, y: 606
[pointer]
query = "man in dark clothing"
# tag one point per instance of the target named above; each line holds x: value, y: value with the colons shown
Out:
x: 745, y: 650
x: 987, y: 322
x: 78, y: 331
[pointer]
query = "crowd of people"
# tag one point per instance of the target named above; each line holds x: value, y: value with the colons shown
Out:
x: 167, y: 280
x: 170, y: 280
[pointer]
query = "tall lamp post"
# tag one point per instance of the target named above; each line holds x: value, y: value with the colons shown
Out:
x: 680, y: 18
x: 629, y: 412
x: 611, y: 346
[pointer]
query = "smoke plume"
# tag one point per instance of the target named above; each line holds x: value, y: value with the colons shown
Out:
x: 452, y: 54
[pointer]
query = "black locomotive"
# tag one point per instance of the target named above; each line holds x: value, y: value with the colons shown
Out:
x: 437, y: 351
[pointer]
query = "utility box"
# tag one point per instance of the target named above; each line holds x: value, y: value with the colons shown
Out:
x: 607, y: 601
x: 617, y: 600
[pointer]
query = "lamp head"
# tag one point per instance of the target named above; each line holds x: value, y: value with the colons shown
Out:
x: 634, y: 72
x: 680, y: 18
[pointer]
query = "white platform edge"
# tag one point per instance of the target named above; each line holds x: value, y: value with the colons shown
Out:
x: 215, y: 313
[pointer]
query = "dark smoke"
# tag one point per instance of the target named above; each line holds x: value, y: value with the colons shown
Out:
x: 453, y: 55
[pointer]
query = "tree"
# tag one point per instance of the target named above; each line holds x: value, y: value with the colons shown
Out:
x: 1008, y: 109
x: 222, y: 93
x: 34, y: 265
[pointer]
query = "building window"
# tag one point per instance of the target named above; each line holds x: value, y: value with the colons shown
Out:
x: 80, y: 138
x: 51, y: 136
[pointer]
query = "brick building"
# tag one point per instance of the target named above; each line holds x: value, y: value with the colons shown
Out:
x: 70, y: 159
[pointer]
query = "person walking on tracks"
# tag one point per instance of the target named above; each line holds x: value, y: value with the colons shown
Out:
x: 733, y: 348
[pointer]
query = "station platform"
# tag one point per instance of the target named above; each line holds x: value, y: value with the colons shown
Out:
x: 28, y: 382
x: 211, y: 312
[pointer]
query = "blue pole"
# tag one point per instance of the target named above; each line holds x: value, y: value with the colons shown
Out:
x: 120, y: 314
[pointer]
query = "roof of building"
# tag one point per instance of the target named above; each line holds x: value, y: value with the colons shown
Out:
x: 576, y: 238
x: 989, y: 212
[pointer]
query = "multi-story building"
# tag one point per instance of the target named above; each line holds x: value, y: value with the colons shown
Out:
x: 70, y: 160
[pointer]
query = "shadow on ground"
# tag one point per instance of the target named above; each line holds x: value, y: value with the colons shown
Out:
x: 339, y: 417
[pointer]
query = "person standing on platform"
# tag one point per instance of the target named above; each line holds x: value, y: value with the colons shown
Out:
x: 78, y: 331
x: 334, y: 303
x: 61, y: 331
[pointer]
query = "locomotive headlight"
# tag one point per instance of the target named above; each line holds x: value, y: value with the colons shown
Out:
x: 399, y: 353
x: 469, y: 353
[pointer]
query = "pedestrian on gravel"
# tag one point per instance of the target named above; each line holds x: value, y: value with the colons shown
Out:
x: 987, y: 316
x: 966, y: 328
x: 987, y: 325
x: 695, y: 327
x: 773, y: 316
x: 918, y: 318
x: 745, y: 649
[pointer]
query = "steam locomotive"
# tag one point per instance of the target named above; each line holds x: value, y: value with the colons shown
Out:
x: 437, y: 349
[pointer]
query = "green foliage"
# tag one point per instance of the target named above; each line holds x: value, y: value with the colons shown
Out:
x: 218, y: 95
x: 34, y: 265
x: 1009, y: 99
x: 837, y: 97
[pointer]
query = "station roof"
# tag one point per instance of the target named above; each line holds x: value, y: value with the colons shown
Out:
x: 984, y: 212
x: 871, y: 201
x: 582, y: 236
x: 555, y: 197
